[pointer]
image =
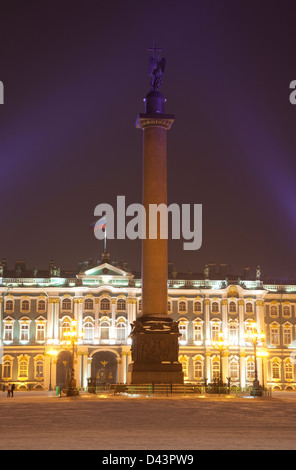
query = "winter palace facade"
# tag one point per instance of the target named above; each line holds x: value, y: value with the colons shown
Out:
x: 37, y: 309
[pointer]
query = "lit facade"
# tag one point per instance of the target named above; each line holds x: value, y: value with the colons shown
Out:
x: 37, y: 308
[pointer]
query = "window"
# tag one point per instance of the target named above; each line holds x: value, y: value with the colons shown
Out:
x: 140, y: 305
x: 88, y: 304
x: 288, y: 371
x: 39, y: 369
x: 66, y: 326
x: 250, y: 370
x: 105, y: 304
x: 169, y: 306
x: 121, y: 304
x: 274, y: 336
x: 232, y: 307
x: 216, y: 369
x: 9, y: 306
x: 40, y: 332
x: 215, y: 307
x: 24, y: 332
x: 120, y: 331
x: 286, y: 311
x: 287, y: 335
x: 88, y: 329
x: 41, y: 306
x: 273, y: 311
x: 198, y: 372
x: 215, y: 332
x: 197, y: 332
x: 105, y: 327
x: 25, y: 306
x: 7, y: 369
x: 23, y: 368
x: 197, y: 306
x: 233, y: 369
x: 8, y: 332
x: 275, y: 370
x: 183, y: 331
x: 182, y: 306
x: 249, y: 307
x: 66, y: 304
x: 233, y: 333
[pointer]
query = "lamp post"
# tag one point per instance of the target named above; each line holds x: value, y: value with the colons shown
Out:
x: 222, y: 345
x: 70, y: 341
x: 254, y: 337
x: 52, y: 353
x: 263, y: 354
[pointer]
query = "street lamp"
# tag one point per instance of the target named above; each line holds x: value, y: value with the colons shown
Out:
x: 222, y: 345
x: 52, y: 353
x: 263, y: 354
x: 254, y: 337
x: 70, y: 341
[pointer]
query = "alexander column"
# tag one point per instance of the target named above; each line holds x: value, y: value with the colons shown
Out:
x: 154, y: 334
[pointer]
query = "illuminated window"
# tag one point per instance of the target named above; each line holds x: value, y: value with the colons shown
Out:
x: 215, y: 331
x: 7, y: 368
x: 250, y: 370
x: 105, y: 328
x: 183, y: 331
x: 198, y: 370
x: 275, y: 370
x: 140, y: 305
x: 24, y: 332
x: 105, y: 304
x: 233, y: 369
x: 88, y: 304
x: 182, y: 306
x: 8, y: 332
x: 39, y: 369
x: 216, y: 369
x: 233, y: 333
x: 287, y: 335
x: 89, y: 331
x: 40, y: 332
x: 286, y: 311
x: 23, y: 369
x: 274, y: 336
x: 121, y: 331
x: 197, y: 332
x: 288, y: 371
x: 66, y: 326
x: 273, y: 311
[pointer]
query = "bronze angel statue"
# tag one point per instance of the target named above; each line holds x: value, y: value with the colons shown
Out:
x: 156, y: 69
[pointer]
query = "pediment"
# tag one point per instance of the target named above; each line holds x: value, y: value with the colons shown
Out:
x: 104, y: 270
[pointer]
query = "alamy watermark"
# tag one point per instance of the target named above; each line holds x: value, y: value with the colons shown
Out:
x: 186, y: 222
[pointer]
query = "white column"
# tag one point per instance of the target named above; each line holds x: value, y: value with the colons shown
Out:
x: 113, y: 324
x: 96, y: 332
x: 241, y: 326
x: 50, y: 332
x: 56, y: 319
x: 224, y: 318
x: 207, y: 322
x: 242, y: 363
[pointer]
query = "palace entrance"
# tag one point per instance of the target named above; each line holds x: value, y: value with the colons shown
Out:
x: 104, y: 367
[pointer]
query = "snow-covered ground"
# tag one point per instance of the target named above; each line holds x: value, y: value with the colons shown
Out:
x: 40, y: 420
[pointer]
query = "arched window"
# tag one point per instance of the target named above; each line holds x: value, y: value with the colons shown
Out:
x: 250, y: 370
x: 7, y: 369
x: 198, y: 372
x: 8, y: 331
x: 215, y: 331
x: 9, y: 306
x: 273, y: 311
x: 88, y: 329
x: 121, y: 331
x: 88, y: 304
x: 66, y: 326
x: 105, y: 327
x: 105, y: 304
x: 233, y: 333
x: 197, y: 306
x: 121, y: 304
x: 275, y: 370
x: 215, y: 307
x: 24, y: 331
x: 25, y: 305
x: 23, y: 368
x: 216, y: 369
x: 66, y: 304
x: 233, y: 369
x: 288, y: 370
x: 182, y: 306
x: 286, y: 311
x: 41, y: 306
x: 249, y: 307
x: 39, y: 368
x: 232, y: 307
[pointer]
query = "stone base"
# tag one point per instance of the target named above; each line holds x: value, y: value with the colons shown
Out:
x: 148, y: 373
x: 155, y: 351
x: 72, y: 392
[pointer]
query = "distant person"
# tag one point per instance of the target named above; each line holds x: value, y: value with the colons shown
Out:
x: 12, y: 389
x: 9, y: 390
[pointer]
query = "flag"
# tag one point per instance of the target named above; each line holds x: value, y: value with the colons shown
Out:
x: 99, y: 225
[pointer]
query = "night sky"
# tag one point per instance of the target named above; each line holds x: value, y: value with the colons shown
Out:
x: 75, y: 75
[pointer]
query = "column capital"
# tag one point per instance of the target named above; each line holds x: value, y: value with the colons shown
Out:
x: 155, y: 120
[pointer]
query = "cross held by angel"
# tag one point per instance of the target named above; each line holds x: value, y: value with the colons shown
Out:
x: 156, y: 68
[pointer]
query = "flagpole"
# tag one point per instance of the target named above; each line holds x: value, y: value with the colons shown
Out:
x: 105, y: 240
